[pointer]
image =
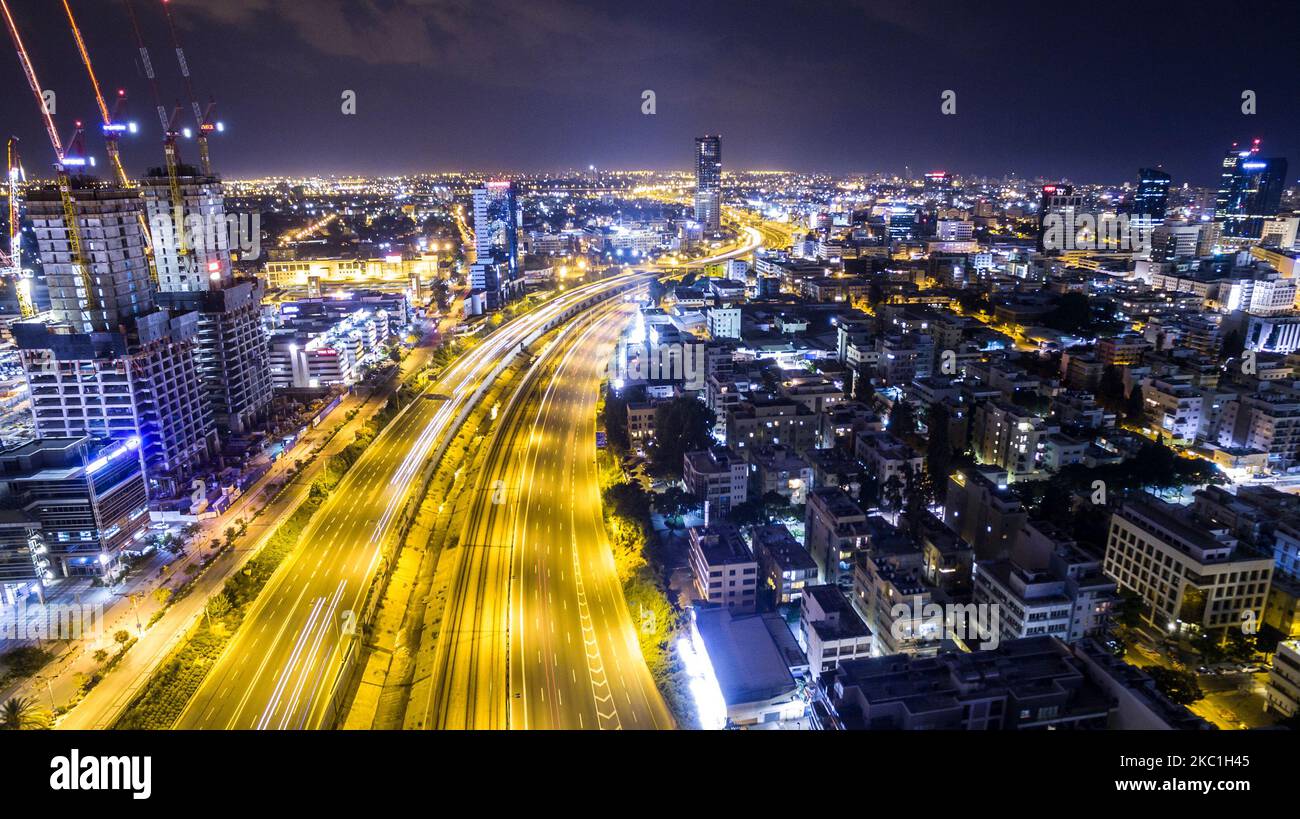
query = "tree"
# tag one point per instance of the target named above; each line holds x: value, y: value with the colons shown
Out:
x: 917, y: 493
x: 1135, y: 410
x: 614, y: 416
x: 1234, y: 344
x: 121, y: 636
x: 628, y: 500
x: 892, y: 492
x: 749, y: 513
x: 1128, y: 612
x: 902, y: 418
x: 1111, y: 388
x: 938, y: 448
x: 19, y: 713
x: 1072, y: 313
x: 868, y: 489
x: 675, y: 501
x: 681, y: 425
x: 1179, y: 686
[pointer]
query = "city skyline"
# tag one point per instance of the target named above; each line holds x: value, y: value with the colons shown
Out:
x: 559, y: 85
x: 830, y: 367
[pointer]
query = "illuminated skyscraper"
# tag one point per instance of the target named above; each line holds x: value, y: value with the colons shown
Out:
x: 708, y: 183
x: 1250, y: 189
x: 1152, y: 197
x: 1061, y: 203
x: 496, y: 269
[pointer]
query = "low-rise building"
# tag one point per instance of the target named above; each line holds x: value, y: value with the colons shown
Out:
x: 1035, y: 683
x: 716, y: 476
x: 784, y: 563
x: 830, y: 631
x: 725, y: 572
x: 834, y: 531
x: 1283, y: 690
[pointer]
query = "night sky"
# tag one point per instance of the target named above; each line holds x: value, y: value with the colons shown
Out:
x: 1089, y: 91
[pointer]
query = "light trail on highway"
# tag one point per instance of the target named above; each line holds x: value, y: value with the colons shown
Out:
x: 283, y: 668
x: 537, y: 600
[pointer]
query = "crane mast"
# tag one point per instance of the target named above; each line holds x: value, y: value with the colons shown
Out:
x: 171, y: 153
x: 202, y: 116
x: 112, y: 133
x: 22, y: 285
x: 64, y: 180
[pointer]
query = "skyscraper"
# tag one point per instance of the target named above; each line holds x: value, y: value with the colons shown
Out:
x: 1152, y: 197
x: 496, y: 269
x: 708, y: 183
x: 192, y: 253
x: 1250, y: 189
x: 1061, y: 203
x: 105, y: 361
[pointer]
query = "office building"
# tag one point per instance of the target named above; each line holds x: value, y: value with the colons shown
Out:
x: 708, y: 183
x: 1250, y: 191
x: 496, y: 270
x: 1186, y: 571
x: 1152, y: 197
x: 87, y: 498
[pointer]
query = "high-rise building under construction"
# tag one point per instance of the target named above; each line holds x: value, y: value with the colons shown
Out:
x: 106, y: 360
x: 192, y: 251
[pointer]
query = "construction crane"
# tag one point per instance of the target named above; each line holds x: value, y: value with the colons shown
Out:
x: 14, y: 261
x: 171, y: 152
x: 113, y: 129
x: 64, y: 160
x: 203, y: 116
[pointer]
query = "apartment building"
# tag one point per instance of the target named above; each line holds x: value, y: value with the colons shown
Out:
x: 1282, y: 693
x: 725, y: 572
x: 885, y: 456
x: 718, y: 477
x: 834, y: 531
x: 784, y: 563
x: 1070, y: 599
x: 1009, y: 437
x: 1035, y: 683
x: 830, y: 631
x: 981, y: 509
x: 760, y: 422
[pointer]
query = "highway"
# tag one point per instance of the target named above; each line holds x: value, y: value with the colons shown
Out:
x: 281, y: 669
x: 536, y: 598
